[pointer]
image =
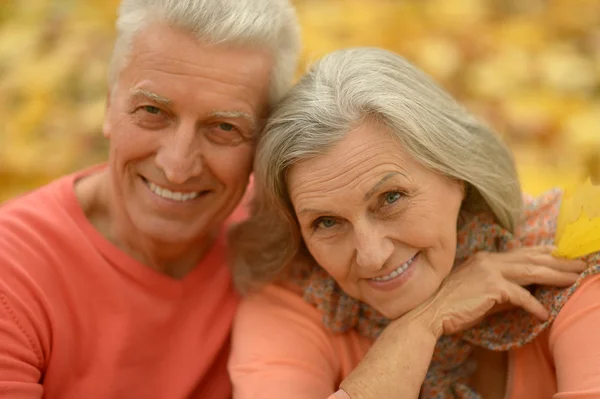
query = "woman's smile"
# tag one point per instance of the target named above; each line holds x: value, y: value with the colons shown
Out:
x: 397, y: 277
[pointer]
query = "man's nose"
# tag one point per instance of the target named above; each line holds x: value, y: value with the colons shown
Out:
x: 180, y: 156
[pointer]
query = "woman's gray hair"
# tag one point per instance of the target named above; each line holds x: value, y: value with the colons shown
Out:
x: 267, y: 24
x: 341, y: 91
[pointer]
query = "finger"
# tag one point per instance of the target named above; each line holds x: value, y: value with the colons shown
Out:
x: 518, y: 254
x: 540, y: 255
x: 519, y: 296
x: 563, y: 264
x: 527, y: 274
x: 501, y: 307
x: 541, y: 249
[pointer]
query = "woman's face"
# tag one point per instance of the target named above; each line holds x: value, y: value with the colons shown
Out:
x: 380, y: 223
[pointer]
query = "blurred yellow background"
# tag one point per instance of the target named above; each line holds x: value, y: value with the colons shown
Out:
x: 530, y: 68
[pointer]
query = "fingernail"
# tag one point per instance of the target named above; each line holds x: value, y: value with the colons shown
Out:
x: 547, y: 315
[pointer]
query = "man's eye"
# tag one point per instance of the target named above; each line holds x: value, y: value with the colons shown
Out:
x: 226, y: 127
x: 151, y: 109
x: 224, y: 133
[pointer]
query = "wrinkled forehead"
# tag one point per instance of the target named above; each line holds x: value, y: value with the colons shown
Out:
x: 178, y: 69
x: 162, y: 43
x: 360, y: 159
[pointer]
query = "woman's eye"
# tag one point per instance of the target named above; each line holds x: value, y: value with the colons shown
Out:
x: 392, y: 197
x: 151, y: 109
x: 325, y: 223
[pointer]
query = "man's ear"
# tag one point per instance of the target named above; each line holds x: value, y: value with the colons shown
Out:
x: 106, y: 126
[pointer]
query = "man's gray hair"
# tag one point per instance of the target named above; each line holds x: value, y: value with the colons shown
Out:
x: 265, y: 24
x: 341, y: 91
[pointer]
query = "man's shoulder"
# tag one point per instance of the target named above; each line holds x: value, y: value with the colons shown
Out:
x: 41, y: 205
x: 36, y: 226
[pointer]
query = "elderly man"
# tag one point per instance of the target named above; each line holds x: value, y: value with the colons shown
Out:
x: 113, y: 280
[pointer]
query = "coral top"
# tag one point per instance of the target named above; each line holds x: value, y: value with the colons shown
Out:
x: 81, y: 319
x: 281, y: 350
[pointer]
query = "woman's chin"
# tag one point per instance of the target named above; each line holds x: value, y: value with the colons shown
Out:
x: 395, y: 309
x: 389, y: 311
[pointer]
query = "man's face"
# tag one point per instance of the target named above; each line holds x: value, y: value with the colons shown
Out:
x: 181, y: 122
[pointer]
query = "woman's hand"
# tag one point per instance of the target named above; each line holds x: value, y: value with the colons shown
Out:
x: 396, y: 364
x: 491, y: 282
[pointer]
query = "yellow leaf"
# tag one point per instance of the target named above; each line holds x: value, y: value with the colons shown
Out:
x: 578, y: 223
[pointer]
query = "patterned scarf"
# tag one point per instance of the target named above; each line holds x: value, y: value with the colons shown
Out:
x: 450, y: 368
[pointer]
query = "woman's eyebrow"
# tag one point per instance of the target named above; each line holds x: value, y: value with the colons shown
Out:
x: 313, y: 211
x: 372, y: 191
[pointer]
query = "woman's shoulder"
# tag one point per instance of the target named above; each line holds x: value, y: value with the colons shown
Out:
x: 275, y: 301
x: 279, y: 316
x: 540, y: 206
x: 581, y: 312
x: 277, y: 320
x: 573, y: 344
x: 575, y: 324
x: 277, y: 330
x: 539, y: 218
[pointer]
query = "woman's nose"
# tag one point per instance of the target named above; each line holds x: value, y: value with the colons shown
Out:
x: 373, y: 248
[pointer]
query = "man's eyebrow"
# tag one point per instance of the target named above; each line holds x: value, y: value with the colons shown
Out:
x: 157, y: 98
x: 372, y: 191
x: 235, y: 115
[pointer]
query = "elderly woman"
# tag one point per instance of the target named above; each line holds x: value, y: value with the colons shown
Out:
x: 387, y: 220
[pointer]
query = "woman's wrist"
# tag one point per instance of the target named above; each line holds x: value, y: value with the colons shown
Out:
x: 426, y: 318
x: 403, y: 349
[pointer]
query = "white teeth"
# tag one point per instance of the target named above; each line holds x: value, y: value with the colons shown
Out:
x: 163, y: 192
x: 396, y: 272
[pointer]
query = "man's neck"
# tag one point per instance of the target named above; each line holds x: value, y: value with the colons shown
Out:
x: 173, y: 260
x: 176, y: 260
